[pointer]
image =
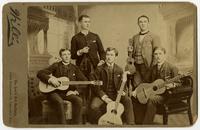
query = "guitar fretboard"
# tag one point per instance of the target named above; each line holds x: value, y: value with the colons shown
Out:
x: 173, y: 79
x: 76, y: 82
x: 120, y: 94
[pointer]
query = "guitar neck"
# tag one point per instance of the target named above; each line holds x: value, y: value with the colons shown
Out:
x: 120, y: 92
x: 174, y: 79
x: 76, y: 82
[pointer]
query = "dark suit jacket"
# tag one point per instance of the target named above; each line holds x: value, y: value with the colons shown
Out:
x: 150, y: 41
x: 101, y: 73
x: 167, y: 71
x: 56, y: 69
x: 79, y: 41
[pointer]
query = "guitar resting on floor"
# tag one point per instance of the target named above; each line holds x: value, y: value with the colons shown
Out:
x: 115, y: 108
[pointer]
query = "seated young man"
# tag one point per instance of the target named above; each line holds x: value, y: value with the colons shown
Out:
x: 64, y: 69
x: 145, y: 113
x: 111, y: 75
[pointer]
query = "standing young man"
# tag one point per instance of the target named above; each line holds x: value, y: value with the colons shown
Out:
x: 64, y: 69
x: 111, y: 75
x: 86, y: 47
x: 143, y: 44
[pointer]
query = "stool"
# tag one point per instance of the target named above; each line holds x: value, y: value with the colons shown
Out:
x: 49, y: 113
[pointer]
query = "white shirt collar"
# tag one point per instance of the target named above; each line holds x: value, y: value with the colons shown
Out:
x: 110, y: 65
x: 84, y: 32
x: 65, y: 63
x: 160, y: 64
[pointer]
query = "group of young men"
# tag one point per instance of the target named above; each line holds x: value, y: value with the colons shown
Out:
x: 95, y: 63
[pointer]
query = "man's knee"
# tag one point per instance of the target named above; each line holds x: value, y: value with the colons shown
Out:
x: 96, y: 104
x: 59, y: 102
x: 78, y: 101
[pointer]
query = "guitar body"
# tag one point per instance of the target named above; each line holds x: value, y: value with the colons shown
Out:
x: 46, y: 88
x: 112, y: 116
x: 145, y: 90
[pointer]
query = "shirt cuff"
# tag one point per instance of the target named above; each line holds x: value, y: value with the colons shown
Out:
x: 104, y: 97
x: 79, y: 53
x: 71, y: 93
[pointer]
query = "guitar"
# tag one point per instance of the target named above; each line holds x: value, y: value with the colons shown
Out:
x: 114, y: 109
x: 130, y: 67
x: 46, y: 88
x: 86, y: 65
x: 145, y: 90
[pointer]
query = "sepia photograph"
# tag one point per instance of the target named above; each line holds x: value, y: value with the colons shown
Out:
x: 109, y: 64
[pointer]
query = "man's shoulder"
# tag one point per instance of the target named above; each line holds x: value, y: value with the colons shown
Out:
x: 73, y: 66
x: 118, y: 68
x: 56, y: 64
x: 152, y: 34
x: 76, y: 35
x: 92, y: 33
x: 170, y: 65
x: 136, y: 35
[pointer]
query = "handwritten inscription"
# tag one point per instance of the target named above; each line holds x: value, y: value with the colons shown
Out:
x: 13, y: 19
x: 13, y: 99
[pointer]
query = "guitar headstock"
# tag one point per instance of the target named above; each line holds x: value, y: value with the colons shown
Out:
x: 97, y: 82
x: 188, y: 73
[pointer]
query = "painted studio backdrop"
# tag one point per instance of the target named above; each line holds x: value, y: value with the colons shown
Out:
x: 51, y: 27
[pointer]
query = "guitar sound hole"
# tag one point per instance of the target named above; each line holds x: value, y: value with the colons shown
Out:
x: 114, y: 111
x: 155, y: 88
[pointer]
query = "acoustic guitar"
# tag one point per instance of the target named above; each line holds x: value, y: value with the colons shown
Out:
x: 145, y: 90
x: 114, y: 109
x: 130, y: 67
x: 64, y: 84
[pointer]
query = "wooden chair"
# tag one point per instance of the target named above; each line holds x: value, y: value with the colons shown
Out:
x: 178, y: 100
x: 48, y: 112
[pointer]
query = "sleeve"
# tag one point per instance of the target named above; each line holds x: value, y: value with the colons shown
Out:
x: 174, y: 71
x: 101, y: 50
x: 133, y: 45
x: 43, y: 75
x: 74, y: 48
x: 97, y: 89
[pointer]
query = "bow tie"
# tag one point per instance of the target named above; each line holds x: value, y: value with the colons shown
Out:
x: 143, y: 33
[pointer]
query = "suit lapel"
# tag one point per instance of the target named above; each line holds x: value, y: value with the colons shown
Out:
x: 137, y: 41
x: 60, y: 69
x: 115, y: 77
x: 105, y: 68
x: 162, y: 71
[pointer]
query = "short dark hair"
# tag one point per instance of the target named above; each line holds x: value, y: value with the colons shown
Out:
x: 143, y: 16
x: 160, y: 48
x: 112, y: 49
x: 83, y: 16
x: 62, y: 50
